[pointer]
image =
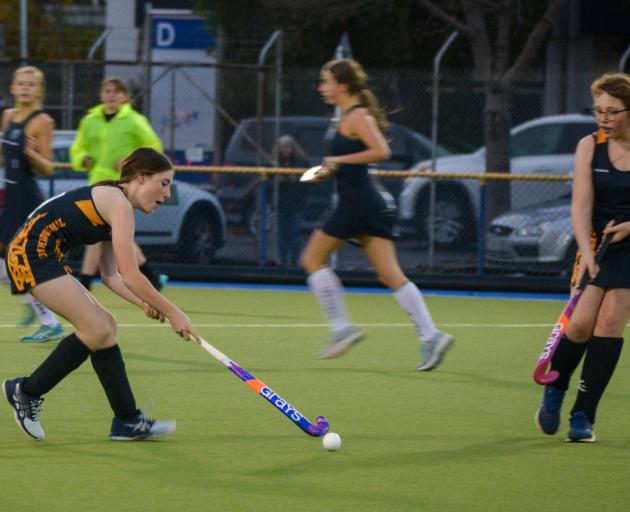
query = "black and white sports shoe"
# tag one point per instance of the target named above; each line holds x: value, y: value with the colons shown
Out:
x: 26, y: 409
x: 140, y: 427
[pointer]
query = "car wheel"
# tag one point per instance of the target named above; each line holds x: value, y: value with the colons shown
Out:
x: 454, y: 224
x: 201, y: 237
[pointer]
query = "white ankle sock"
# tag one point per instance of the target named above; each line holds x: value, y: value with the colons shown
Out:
x: 411, y: 300
x: 329, y: 292
x: 4, y: 277
x: 46, y: 316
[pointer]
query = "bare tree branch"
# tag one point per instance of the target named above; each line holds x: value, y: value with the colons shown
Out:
x: 504, y: 36
x: 327, y: 9
x: 535, y: 39
x: 480, y: 42
x: 444, y: 16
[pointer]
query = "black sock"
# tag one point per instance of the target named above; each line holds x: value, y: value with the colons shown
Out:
x: 86, y: 280
x: 602, y: 355
x: 67, y: 356
x: 150, y: 274
x: 110, y: 368
x: 565, y: 360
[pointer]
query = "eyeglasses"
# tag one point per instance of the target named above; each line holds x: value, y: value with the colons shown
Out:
x: 608, y: 114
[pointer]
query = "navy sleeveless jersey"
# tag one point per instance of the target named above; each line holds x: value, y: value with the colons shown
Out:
x: 611, y: 187
x: 365, y: 207
x: 354, y: 182
x: 22, y: 193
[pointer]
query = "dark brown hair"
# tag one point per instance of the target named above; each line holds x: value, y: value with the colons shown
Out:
x: 616, y: 85
x: 349, y: 72
x: 143, y: 162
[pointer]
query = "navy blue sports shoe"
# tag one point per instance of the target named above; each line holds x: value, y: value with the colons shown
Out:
x: 548, y: 415
x: 26, y: 409
x: 580, y: 429
x: 140, y: 427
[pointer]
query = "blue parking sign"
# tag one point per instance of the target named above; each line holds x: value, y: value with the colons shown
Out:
x: 181, y: 34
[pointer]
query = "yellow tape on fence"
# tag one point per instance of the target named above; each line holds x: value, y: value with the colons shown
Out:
x: 264, y: 172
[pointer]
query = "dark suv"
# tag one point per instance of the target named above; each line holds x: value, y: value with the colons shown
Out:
x: 238, y: 192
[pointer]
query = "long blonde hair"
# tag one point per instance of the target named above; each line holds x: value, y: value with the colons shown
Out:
x: 39, y: 79
x: 351, y: 73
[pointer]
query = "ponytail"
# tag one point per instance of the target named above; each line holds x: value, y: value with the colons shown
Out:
x: 350, y: 73
x: 369, y: 100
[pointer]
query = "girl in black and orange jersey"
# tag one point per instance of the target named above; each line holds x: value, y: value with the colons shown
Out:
x: 601, y: 193
x: 99, y: 213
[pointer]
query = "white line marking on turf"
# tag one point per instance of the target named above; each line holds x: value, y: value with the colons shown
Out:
x: 291, y: 326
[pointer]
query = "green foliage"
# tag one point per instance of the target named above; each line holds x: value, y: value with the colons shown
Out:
x: 48, y: 36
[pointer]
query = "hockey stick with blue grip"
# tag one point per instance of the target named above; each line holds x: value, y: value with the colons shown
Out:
x: 317, y: 429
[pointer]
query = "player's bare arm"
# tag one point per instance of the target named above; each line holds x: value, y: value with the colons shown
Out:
x: 6, y: 115
x: 582, y: 201
x: 113, y: 280
x: 363, y: 126
x: 38, y: 144
x: 118, y: 213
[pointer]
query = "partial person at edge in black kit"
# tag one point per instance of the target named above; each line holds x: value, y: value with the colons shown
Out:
x: 601, y: 194
x: 365, y: 213
x: 102, y: 212
x: 27, y: 152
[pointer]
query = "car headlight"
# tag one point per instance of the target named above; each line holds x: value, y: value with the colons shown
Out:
x: 532, y: 230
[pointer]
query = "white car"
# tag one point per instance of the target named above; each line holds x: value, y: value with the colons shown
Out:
x: 538, y: 238
x: 541, y: 146
x: 190, y: 226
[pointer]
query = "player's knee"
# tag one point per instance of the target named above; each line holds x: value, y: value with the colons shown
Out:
x: 104, y: 330
x: 393, y: 280
x: 579, y: 331
x: 610, y: 323
x: 308, y: 263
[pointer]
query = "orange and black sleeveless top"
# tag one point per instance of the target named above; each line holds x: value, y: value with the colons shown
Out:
x: 68, y: 220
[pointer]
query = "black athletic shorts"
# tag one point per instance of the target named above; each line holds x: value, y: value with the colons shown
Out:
x: 374, y: 216
x: 614, y: 266
x: 28, y: 260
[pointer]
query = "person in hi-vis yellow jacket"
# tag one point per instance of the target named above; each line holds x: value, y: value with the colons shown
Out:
x: 107, y: 134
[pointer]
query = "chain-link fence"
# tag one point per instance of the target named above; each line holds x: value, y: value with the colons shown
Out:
x: 255, y: 221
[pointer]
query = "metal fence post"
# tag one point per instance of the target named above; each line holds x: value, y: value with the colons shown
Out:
x: 434, y: 135
x: 262, y: 223
x: 262, y: 204
x: 481, y: 228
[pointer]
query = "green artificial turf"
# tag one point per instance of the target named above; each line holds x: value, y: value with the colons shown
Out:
x: 461, y: 438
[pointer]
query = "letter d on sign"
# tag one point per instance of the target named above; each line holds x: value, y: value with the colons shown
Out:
x: 165, y: 34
